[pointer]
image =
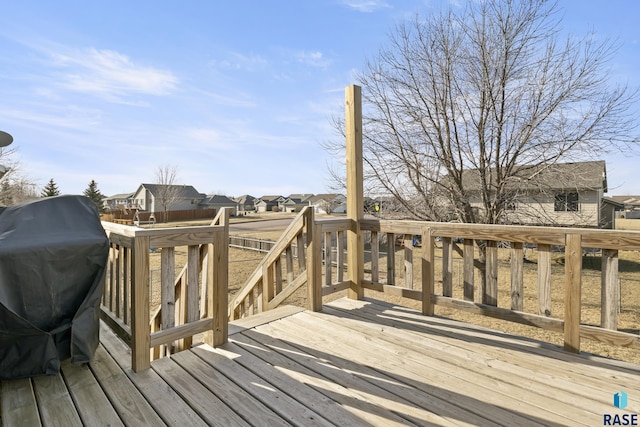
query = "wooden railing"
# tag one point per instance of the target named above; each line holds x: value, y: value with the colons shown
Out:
x: 416, y: 256
x: 197, y: 306
x: 480, y: 295
x: 268, y: 286
x: 196, y: 265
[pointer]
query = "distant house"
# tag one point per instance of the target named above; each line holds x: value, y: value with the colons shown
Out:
x: 118, y: 202
x: 215, y: 201
x: 622, y: 212
x: 564, y: 194
x: 268, y: 203
x: 148, y: 197
x: 627, y: 203
x: 295, y: 202
x: 245, y: 204
x: 610, y: 209
x: 326, y: 203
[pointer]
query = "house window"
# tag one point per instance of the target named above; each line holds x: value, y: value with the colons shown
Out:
x: 566, y: 202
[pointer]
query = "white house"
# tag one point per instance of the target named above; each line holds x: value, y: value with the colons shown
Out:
x: 149, y: 197
x: 216, y: 201
x: 564, y: 194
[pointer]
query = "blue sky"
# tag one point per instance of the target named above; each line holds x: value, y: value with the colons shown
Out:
x: 237, y: 95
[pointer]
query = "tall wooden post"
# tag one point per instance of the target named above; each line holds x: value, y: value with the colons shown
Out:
x: 573, y: 292
x: 355, y: 196
x: 140, y: 329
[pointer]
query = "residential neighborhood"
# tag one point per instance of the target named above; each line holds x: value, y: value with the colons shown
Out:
x: 570, y: 194
x: 153, y: 198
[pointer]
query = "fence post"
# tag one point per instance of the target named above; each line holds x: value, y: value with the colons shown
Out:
x: 140, y: 329
x: 355, y: 195
x: 573, y: 285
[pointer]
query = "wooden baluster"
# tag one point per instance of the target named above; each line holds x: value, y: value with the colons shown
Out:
x: 126, y: 279
x: 278, y: 271
x: 428, y: 271
x: 289, y: 263
x: 517, y: 277
x: 544, y: 280
x: 610, y: 290
x: 328, y: 257
x: 167, y: 289
x: 490, y: 296
x: 375, y: 257
x: 391, y: 259
x: 408, y: 261
x: 340, y: 256
x: 468, y: 271
x: 447, y: 267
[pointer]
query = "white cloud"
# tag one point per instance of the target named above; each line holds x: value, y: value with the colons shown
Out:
x: 314, y: 59
x: 111, y: 75
x: 366, y: 6
x: 240, y: 61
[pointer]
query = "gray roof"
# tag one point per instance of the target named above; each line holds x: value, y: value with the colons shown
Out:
x: 245, y: 199
x: 302, y: 196
x: 269, y: 198
x: 120, y: 196
x: 561, y: 176
x: 626, y: 200
x: 183, y: 191
x: 216, y: 199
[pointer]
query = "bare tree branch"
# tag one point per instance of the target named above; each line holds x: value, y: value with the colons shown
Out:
x: 168, y: 192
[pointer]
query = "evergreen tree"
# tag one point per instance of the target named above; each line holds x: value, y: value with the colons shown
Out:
x: 95, y: 195
x: 51, y: 189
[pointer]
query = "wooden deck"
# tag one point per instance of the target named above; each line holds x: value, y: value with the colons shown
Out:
x: 355, y: 363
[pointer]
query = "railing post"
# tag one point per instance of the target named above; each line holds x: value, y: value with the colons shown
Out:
x: 140, y: 330
x: 355, y: 195
x: 314, y: 261
x: 573, y: 292
x: 220, y: 286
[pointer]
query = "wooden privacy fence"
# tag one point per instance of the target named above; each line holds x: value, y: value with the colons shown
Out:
x: 193, y: 303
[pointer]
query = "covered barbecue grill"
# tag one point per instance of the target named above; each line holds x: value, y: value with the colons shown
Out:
x: 53, y: 253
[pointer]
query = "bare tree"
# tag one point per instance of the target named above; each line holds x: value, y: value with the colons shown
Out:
x: 493, y: 89
x: 14, y: 187
x: 167, y: 191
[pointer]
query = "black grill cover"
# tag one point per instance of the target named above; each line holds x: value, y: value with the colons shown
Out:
x: 53, y: 254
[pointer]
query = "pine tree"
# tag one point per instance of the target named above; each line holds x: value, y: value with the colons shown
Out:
x: 51, y: 189
x: 95, y: 195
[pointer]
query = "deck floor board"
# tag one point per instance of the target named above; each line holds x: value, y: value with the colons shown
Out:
x: 356, y: 363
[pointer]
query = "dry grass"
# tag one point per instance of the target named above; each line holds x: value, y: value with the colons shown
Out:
x: 243, y: 262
